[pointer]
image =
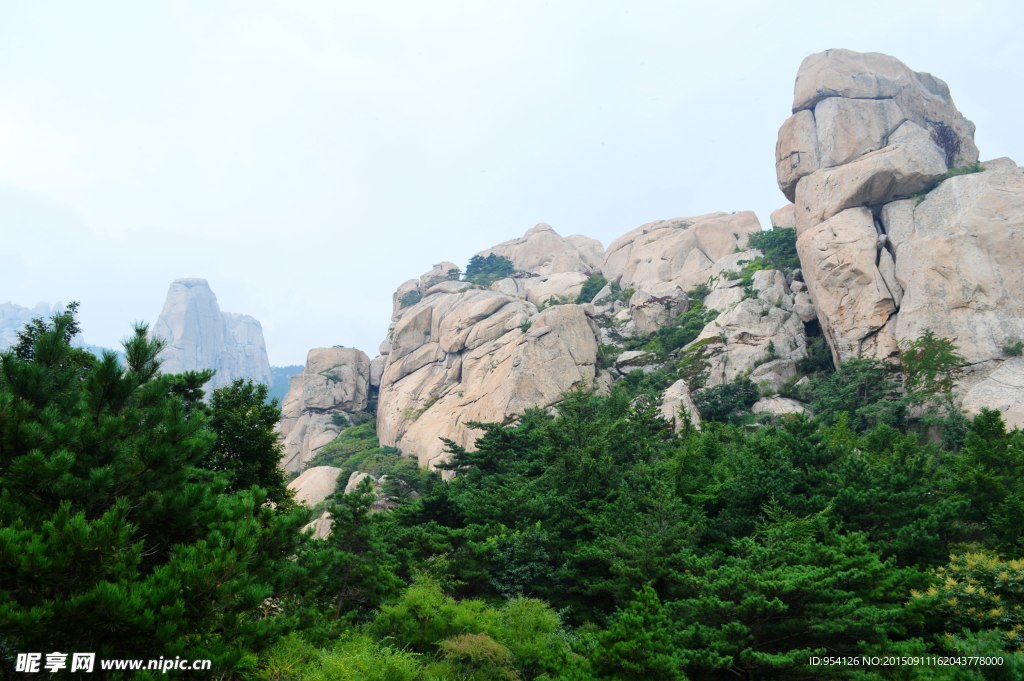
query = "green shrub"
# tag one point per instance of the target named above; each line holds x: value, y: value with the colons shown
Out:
x: 485, y: 271
x: 410, y: 298
x: 728, y: 401
x: 1014, y: 349
x: 591, y: 287
x: 818, y: 358
x: 778, y: 246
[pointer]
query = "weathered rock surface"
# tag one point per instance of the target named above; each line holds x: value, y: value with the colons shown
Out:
x: 778, y: 406
x: 756, y: 333
x: 883, y: 268
x: 910, y: 163
x: 543, y: 251
x: 682, y: 251
x: 839, y: 263
x: 849, y: 105
x: 314, y: 485
x: 476, y: 355
x: 960, y: 261
x: 335, y: 382
x: 677, y: 399
x: 200, y: 336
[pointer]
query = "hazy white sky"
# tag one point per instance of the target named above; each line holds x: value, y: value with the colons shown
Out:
x: 308, y: 157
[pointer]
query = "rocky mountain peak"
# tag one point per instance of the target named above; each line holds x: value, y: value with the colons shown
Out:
x: 901, y: 231
x: 200, y: 336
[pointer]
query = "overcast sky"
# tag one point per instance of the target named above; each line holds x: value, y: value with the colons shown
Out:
x: 308, y: 157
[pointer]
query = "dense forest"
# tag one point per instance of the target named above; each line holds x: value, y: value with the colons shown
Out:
x: 138, y: 519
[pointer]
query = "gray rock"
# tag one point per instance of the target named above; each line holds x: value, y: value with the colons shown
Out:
x: 199, y: 336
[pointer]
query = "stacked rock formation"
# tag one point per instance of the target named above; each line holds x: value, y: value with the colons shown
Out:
x: 200, y: 336
x: 462, y: 353
x: 334, y: 384
x: 898, y: 232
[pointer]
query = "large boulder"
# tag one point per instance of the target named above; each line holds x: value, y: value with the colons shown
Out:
x: 334, y: 384
x: 315, y: 484
x: 839, y: 261
x: 848, y: 104
x: 199, y: 336
x: 543, y: 251
x: 682, y: 251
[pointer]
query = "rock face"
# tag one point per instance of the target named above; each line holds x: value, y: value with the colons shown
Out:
x: 847, y: 104
x: 681, y: 252
x: 891, y: 244
x: 465, y: 354
x: 200, y: 336
x: 542, y: 251
x: 315, y: 484
x: 334, y: 383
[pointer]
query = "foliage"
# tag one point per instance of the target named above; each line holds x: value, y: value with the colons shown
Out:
x: 726, y: 402
x: 778, y: 246
x: 679, y: 332
x: 745, y: 274
x: 978, y: 592
x: 247, y: 448
x: 553, y: 301
x: 865, y: 389
x: 1014, y: 349
x: 590, y: 543
x: 591, y: 287
x: 357, y: 449
x: 113, y: 537
x: 818, y: 358
x: 410, y: 298
x: 930, y: 366
x: 484, y: 271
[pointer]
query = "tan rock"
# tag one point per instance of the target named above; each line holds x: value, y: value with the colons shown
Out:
x: 543, y: 251
x: 958, y: 261
x: 785, y: 217
x: 335, y: 381
x: 443, y: 271
x: 476, y: 355
x: 796, y: 151
x: 1001, y: 387
x: 838, y: 259
x: 778, y: 406
x: 676, y: 400
x: 751, y: 330
x: 921, y: 97
x: 652, y: 309
x: 682, y: 251
x: 315, y: 484
x: 559, y: 287
x: 910, y: 163
x: 849, y: 128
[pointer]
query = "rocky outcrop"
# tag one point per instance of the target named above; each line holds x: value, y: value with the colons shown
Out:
x: 758, y: 335
x: 465, y: 354
x: 681, y: 252
x: 200, y: 336
x: 315, y: 484
x: 847, y: 104
x: 678, y: 407
x: 543, y: 251
x: 334, y: 384
x: 897, y: 232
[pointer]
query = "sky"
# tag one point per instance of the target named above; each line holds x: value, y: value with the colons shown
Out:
x: 308, y: 157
